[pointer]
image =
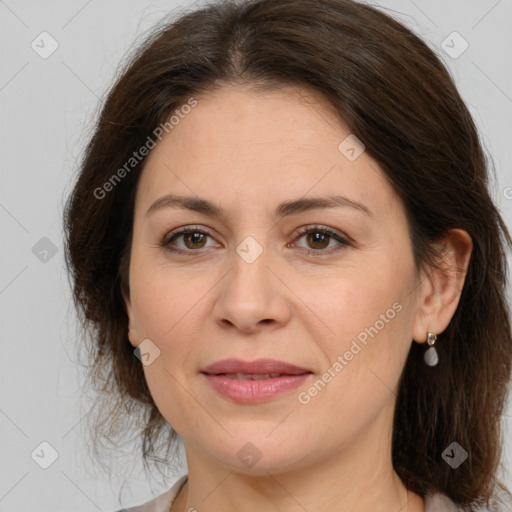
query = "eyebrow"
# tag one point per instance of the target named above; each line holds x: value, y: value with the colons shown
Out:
x: 285, y: 209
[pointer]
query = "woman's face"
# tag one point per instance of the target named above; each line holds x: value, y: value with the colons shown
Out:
x: 257, y: 285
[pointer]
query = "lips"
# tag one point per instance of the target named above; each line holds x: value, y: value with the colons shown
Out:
x: 252, y: 376
x: 253, y: 370
x: 254, y: 382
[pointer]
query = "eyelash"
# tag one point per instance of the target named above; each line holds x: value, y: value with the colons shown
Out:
x: 344, y: 242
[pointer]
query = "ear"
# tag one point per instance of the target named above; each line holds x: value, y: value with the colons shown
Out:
x: 132, y: 331
x: 440, y: 290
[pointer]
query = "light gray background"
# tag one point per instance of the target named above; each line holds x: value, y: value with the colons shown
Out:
x: 47, y: 110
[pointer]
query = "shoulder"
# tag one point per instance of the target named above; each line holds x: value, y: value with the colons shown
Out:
x: 161, y: 503
x: 438, y: 502
x: 500, y: 502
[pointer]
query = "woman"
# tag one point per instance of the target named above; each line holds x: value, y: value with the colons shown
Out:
x: 282, y: 238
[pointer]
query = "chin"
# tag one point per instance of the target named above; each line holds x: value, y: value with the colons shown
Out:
x: 259, y: 455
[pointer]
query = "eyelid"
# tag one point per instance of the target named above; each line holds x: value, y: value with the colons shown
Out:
x: 342, y: 239
x: 186, y: 229
x: 319, y: 227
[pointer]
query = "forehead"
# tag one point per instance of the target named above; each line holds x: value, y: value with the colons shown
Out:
x: 238, y: 115
x: 261, y: 147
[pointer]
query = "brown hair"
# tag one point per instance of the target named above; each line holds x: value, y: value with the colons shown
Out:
x: 396, y: 96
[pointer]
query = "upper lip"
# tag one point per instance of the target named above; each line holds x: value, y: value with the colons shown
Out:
x: 259, y: 366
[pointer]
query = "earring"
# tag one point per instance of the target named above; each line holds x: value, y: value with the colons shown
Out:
x: 430, y: 355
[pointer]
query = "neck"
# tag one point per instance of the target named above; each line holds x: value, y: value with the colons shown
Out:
x: 353, y: 475
x: 364, y: 487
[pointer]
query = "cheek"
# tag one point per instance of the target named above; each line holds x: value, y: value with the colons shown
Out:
x: 167, y: 309
x: 368, y: 316
x: 355, y: 299
x: 165, y: 315
x: 161, y: 302
x: 362, y: 362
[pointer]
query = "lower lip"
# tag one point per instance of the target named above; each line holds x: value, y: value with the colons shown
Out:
x: 254, y: 391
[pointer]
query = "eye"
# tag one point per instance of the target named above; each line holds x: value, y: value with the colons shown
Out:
x: 195, y: 237
x: 192, y: 236
x: 319, y: 238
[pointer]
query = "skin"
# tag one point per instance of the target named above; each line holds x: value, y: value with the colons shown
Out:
x: 247, y: 152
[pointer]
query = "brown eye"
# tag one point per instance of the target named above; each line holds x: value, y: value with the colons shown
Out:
x: 318, y: 240
x: 193, y: 239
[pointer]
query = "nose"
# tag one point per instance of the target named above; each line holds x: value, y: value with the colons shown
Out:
x: 252, y: 295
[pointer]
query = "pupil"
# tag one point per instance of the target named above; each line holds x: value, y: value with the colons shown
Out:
x: 319, y: 238
x: 196, y: 237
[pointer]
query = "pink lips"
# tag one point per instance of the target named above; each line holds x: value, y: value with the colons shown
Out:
x: 260, y: 366
x: 254, y: 381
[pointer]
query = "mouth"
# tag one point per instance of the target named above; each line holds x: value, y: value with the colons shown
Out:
x: 255, y: 376
x: 253, y: 382
x: 253, y: 390
x: 254, y: 370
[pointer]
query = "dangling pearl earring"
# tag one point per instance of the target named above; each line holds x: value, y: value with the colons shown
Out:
x: 430, y: 355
